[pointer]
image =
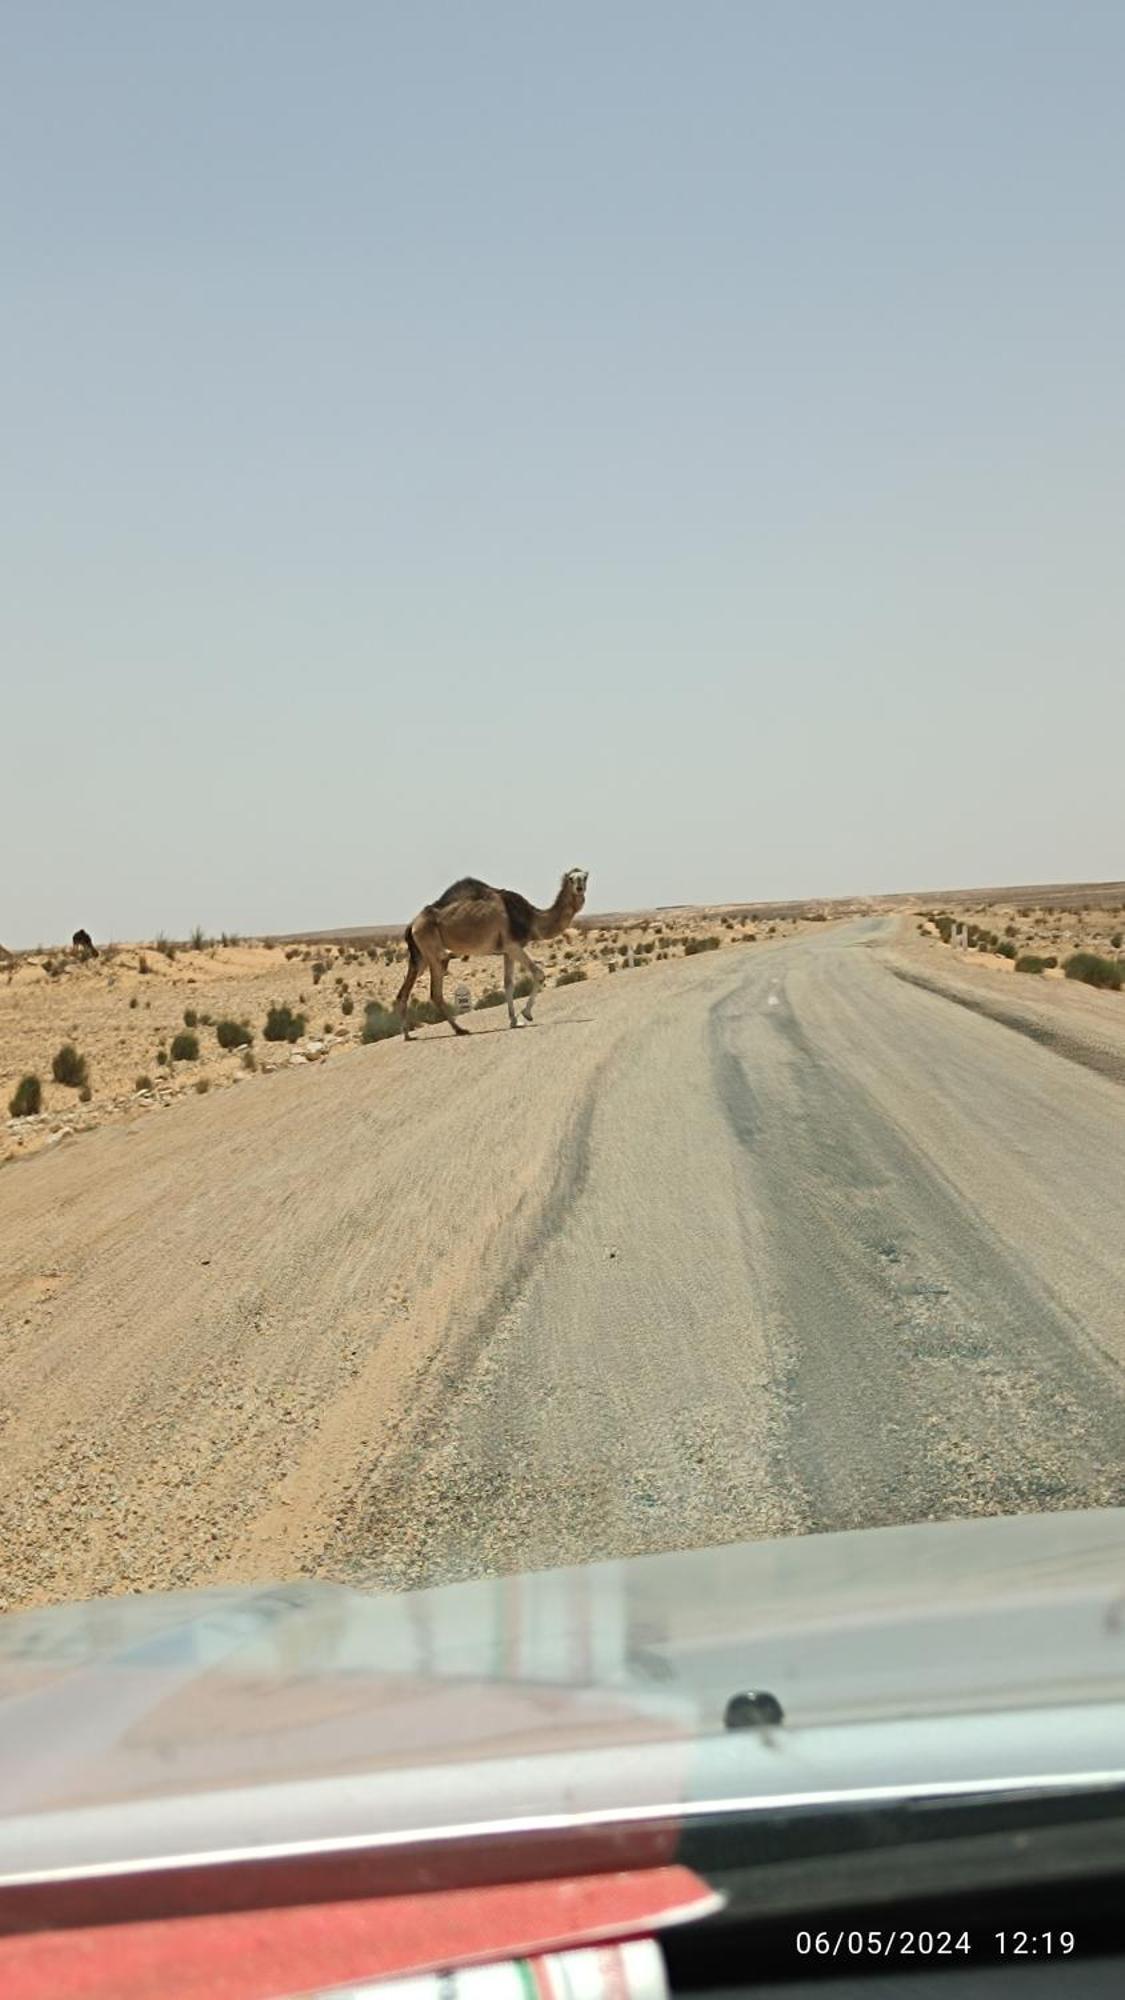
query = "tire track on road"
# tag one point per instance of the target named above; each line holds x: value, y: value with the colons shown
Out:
x: 381, y: 1513
x: 1103, y: 1061
x: 924, y: 1373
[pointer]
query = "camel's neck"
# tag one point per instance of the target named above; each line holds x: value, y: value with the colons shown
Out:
x: 553, y: 922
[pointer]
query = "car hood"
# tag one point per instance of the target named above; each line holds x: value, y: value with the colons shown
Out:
x: 155, y: 1730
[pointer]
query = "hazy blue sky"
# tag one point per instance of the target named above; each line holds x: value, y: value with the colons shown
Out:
x: 684, y: 441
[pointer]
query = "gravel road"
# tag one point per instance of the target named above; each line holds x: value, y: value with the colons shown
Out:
x: 772, y: 1240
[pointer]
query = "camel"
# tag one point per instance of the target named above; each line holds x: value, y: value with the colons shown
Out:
x: 471, y: 920
x: 83, y: 945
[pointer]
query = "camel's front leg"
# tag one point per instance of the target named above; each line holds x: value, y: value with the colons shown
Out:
x: 537, y: 977
x: 509, y: 984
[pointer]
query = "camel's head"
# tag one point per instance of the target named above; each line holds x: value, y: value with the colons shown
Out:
x: 574, y: 883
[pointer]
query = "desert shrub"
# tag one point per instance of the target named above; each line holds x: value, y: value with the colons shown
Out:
x: 523, y: 986
x: 944, y: 927
x: 319, y: 968
x: 233, y: 1034
x: 1010, y: 930
x: 168, y: 949
x: 185, y: 1046
x: 85, y: 1094
x: 162, y: 1058
x: 142, y: 1083
x: 347, y: 1004
x: 1115, y: 940
x: 283, y: 1025
x: 293, y: 952
x: 69, y: 1067
x: 1006, y: 949
x: 27, y: 1098
x: 202, y: 1083
x: 143, y: 964
x: 423, y: 1014
x: 206, y: 1020
x: 571, y: 976
x: 197, y: 939
x: 493, y: 998
x: 133, y: 1000
x: 694, y: 944
x: 1050, y: 963
x: 379, y: 1024
x: 1095, y: 971
x: 191, y: 1018
x: 1029, y: 961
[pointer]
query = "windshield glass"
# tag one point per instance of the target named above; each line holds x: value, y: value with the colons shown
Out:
x: 563, y: 977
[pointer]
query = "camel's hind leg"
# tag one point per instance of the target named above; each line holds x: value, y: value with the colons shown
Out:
x: 537, y: 977
x: 509, y: 983
x: 402, y: 997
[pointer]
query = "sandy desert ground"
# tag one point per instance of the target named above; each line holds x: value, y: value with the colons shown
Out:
x: 122, y: 1010
x: 818, y: 1231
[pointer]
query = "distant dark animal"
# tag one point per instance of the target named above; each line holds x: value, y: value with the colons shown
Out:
x: 84, y: 944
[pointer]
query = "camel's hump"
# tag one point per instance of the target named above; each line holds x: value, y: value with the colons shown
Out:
x: 468, y: 890
x: 521, y: 913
